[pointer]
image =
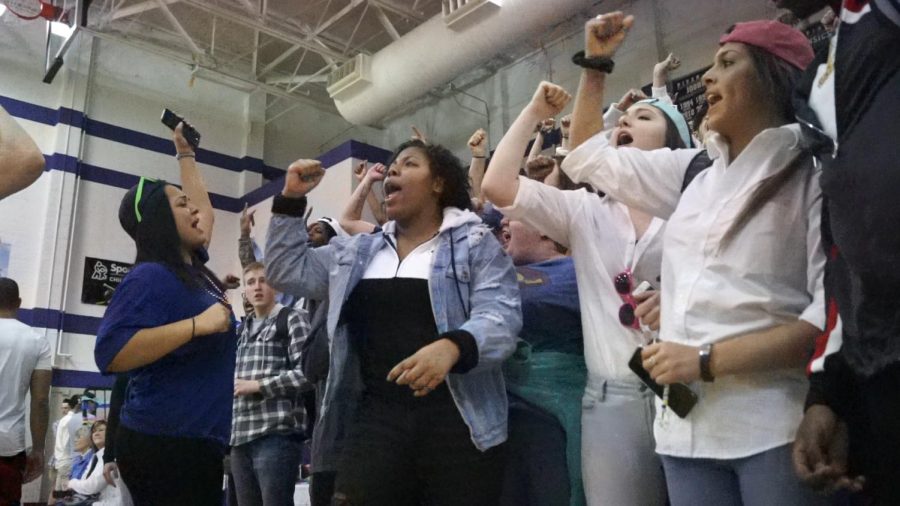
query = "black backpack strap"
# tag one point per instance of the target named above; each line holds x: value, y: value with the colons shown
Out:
x: 282, y: 332
x: 315, y: 357
x: 698, y: 164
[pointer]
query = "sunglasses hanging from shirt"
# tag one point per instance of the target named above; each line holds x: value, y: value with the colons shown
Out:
x: 677, y: 396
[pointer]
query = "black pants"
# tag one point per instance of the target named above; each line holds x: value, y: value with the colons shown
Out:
x: 874, y: 426
x: 536, y: 468
x: 414, y: 453
x: 170, y: 471
x: 321, y: 488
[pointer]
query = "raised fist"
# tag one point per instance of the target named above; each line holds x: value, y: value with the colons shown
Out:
x: 377, y: 172
x: 605, y: 33
x: 630, y: 98
x: 360, y: 170
x: 247, y: 221
x: 478, y: 142
x: 549, y: 100
x: 301, y: 177
x: 661, y: 70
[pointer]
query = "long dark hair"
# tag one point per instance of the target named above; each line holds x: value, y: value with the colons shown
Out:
x: 775, y: 79
x: 156, y: 239
x: 673, y: 138
x: 446, y: 166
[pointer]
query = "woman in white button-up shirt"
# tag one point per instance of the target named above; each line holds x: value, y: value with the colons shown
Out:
x: 606, y: 239
x: 742, y: 266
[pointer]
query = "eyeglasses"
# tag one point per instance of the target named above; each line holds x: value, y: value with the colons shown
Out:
x: 138, y: 195
x: 624, y: 283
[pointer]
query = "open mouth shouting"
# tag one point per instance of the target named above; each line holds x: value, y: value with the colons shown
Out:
x: 712, y: 99
x: 391, y: 189
x: 623, y: 138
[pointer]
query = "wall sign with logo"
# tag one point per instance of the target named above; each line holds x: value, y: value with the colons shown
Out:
x: 101, y: 278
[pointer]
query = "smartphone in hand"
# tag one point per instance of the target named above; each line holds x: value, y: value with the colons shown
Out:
x: 681, y: 398
x: 171, y: 120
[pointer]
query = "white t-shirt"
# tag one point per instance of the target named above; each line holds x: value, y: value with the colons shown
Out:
x: 22, y: 350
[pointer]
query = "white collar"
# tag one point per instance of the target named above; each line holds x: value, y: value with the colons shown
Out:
x: 787, y: 135
x: 453, y: 217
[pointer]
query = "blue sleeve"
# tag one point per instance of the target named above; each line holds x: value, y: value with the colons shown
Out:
x: 138, y: 303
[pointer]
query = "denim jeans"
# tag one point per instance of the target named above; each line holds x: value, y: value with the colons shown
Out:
x: 265, y: 470
x: 618, y: 453
x: 764, y: 479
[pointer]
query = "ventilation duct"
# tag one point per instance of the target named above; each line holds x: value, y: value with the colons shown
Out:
x: 457, y: 14
x: 434, y: 53
x: 352, y: 75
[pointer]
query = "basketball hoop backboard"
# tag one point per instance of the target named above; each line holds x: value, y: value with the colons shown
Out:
x: 61, y: 32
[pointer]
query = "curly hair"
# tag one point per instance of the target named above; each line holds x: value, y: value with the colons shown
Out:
x: 448, y: 168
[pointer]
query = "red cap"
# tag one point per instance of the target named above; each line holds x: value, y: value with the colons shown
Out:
x: 775, y: 38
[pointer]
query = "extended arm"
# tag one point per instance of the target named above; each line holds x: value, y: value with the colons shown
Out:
x: 478, y: 146
x: 193, y: 185
x: 501, y: 183
x: 21, y: 162
x: 351, y: 219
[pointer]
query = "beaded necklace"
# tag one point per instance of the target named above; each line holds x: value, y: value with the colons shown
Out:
x: 216, y: 292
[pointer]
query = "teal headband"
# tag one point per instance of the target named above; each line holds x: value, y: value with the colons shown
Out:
x: 672, y: 112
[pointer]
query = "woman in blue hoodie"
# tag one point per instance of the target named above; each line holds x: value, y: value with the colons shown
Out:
x: 421, y: 316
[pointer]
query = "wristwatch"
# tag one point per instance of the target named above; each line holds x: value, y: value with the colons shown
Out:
x: 705, y: 359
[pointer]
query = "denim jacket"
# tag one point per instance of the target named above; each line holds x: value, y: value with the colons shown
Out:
x: 486, y: 280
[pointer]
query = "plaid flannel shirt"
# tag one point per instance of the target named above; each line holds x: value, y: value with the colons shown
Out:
x: 275, y: 363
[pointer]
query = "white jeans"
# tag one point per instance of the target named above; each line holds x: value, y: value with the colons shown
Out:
x: 618, y: 460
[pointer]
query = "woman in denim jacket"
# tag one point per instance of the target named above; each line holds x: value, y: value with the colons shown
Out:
x: 421, y: 316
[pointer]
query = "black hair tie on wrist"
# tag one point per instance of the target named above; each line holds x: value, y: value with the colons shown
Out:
x: 601, y: 63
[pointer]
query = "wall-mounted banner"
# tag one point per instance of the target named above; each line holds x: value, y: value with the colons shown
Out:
x: 686, y: 93
x: 101, y: 278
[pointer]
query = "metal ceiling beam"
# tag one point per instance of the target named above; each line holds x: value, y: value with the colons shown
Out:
x: 301, y: 79
x: 187, y: 60
x: 243, y: 20
x: 309, y: 78
x: 356, y: 27
x: 337, y: 16
x: 400, y: 10
x: 249, y: 5
x: 177, y: 26
x: 277, y: 61
x: 386, y: 23
x: 132, y: 10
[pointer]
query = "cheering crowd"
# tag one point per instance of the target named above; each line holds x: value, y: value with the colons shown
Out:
x: 644, y: 312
